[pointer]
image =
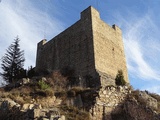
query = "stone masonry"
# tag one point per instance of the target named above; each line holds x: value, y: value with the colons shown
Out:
x: 89, y: 47
x: 119, y: 103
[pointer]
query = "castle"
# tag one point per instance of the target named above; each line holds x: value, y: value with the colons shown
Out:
x: 89, y: 47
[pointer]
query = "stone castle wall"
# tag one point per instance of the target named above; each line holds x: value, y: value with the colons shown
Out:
x: 89, y: 46
x: 108, y: 48
x: 72, y: 48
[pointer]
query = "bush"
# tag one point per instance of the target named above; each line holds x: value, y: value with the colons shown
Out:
x: 120, y: 78
x: 42, y: 85
x: 58, y: 81
x: 31, y: 72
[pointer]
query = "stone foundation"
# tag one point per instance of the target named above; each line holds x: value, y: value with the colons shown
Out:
x: 110, y: 98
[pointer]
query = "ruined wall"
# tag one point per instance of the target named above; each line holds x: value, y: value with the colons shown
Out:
x: 109, y: 101
x: 119, y: 103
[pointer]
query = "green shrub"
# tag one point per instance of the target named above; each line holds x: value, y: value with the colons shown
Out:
x: 42, y: 85
x: 120, y: 78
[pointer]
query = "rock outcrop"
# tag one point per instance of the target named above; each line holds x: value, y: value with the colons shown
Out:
x: 106, y: 103
x: 9, y: 109
x: 121, y: 103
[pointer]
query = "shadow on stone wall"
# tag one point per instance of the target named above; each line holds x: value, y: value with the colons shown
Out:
x: 87, y: 81
x: 82, y: 90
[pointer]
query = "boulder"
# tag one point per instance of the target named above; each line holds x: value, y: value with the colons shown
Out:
x: 62, y: 118
x: 29, y: 106
x: 4, y: 105
x: 25, y: 81
x: 25, y: 107
x: 57, y: 102
x: 33, y: 114
x: 7, y: 103
x: 54, y: 115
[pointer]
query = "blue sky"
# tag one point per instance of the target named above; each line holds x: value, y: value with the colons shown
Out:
x: 33, y: 20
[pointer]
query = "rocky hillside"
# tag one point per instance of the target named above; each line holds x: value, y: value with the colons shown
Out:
x: 50, y: 98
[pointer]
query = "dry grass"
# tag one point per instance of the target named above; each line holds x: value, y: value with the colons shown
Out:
x: 46, y: 102
x: 74, y: 113
x: 57, y: 81
x: 76, y: 90
x: 157, y: 97
x: 64, y: 94
x: 3, y: 94
x: 25, y: 94
x: 142, y: 101
x: 20, y: 95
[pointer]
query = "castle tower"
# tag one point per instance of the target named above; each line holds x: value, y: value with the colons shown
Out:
x: 90, y: 47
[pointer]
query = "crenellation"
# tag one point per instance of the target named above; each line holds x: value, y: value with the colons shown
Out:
x: 89, y: 13
x: 117, y: 29
x: 42, y: 42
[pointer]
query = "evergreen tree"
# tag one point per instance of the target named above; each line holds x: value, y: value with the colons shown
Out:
x: 120, y: 78
x: 13, y: 62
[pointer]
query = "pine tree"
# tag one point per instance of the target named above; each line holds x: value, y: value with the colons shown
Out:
x: 120, y: 78
x: 13, y: 62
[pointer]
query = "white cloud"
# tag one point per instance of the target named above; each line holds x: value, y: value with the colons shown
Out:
x: 25, y: 19
x: 140, y: 36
